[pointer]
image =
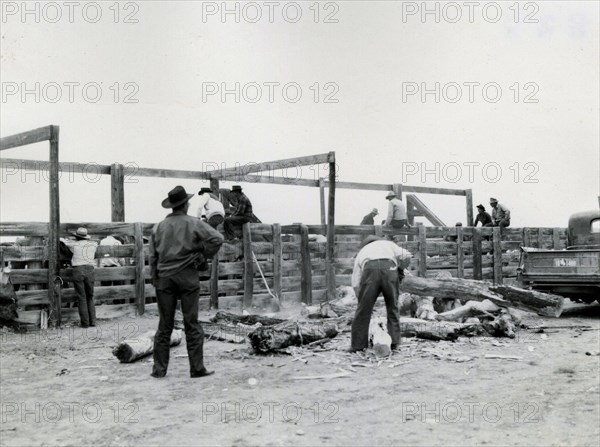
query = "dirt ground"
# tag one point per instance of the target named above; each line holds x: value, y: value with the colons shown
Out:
x: 65, y: 388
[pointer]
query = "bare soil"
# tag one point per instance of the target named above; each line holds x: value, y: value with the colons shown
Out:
x: 65, y: 388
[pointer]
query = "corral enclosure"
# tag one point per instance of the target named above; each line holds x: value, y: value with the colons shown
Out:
x: 292, y: 260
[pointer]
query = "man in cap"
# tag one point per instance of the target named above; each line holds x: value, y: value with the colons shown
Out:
x: 83, y: 262
x: 211, y: 208
x: 500, y: 215
x: 176, y: 245
x: 396, y: 216
x: 241, y: 214
x: 369, y: 218
x: 378, y: 268
x: 482, y: 216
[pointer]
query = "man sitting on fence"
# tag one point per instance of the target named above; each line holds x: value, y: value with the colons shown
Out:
x: 175, y: 247
x: 211, y: 208
x: 241, y: 214
x: 500, y: 215
x: 369, y: 219
x: 83, y: 261
x: 378, y: 268
x: 396, y: 217
x: 482, y: 216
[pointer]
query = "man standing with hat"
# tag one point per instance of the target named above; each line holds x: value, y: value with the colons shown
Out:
x: 378, y: 268
x: 369, y: 218
x: 83, y: 261
x: 211, y: 207
x: 500, y: 215
x: 482, y: 217
x: 396, y: 217
x: 175, y: 247
x: 241, y: 214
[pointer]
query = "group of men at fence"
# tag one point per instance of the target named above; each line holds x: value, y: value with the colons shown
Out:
x: 397, y: 215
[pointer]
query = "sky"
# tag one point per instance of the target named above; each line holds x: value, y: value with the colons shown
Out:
x: 502, y: 99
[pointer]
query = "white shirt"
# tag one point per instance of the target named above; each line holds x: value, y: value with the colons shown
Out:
x: 108, y: 261
x: 210, y: 206
x: 379, y: 250
x: 84, y: 251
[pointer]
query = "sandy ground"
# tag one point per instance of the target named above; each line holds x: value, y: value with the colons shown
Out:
x: 65, y: 388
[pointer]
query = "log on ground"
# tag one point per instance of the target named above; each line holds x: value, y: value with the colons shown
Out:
x: 503, y: 296
x: 437, y: 330
x: 290, y: 333
x: 129, y: 351
x: 379, y: 338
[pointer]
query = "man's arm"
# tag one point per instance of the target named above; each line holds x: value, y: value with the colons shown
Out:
x: 356, y: 274
x: 506, y: 213
x: 153, y: 261
x: 210, y: 240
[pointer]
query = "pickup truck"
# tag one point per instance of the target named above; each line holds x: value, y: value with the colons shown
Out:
x: 574, y: 272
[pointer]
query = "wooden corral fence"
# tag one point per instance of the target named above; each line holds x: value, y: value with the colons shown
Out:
x: 292, y: 261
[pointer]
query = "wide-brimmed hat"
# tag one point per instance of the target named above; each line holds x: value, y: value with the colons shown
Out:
x: 203, y: 190
x: 375, y: 211
x: 481, y: 207
x: 81, y: 233
x: 492, y: 200
x: 235, y: 188
x: 177, y: 196
x: 390, y: 195
x: 370, y: 238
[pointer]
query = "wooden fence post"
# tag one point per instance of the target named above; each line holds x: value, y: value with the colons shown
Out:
x: 477, y: 262
x: 497, y: 253
x: 469, y: 200
x: 306, y: 270
x: 277, y: 261
x: 54, y: 304
x: 248, y: 267
x: 526, y: 237
x: 214, y: 282
x: 556, y: 239
x: 330, y: 272
x: 422, y: 251
x: 540, y: 238
x: 214, y: 185
x: 117, y: 192
x: 460, y: 254
x: 322, y: 200
x: 140, y: 283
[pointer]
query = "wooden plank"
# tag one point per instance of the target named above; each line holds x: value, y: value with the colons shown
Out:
x: 214, y: 185
x: 397, y: 189
x: 239, y: 173
x: 322, y: 201
x: 248, y: 267
x: 476, y: 243
x: 497, y: 254
x: 36, y: 241
x: 277, y: 260
x: 469, y: 203
x: 423, y: 210
x: 95, y: 229
x: 422, y: 250
x: 306, y: 281
x: 29, y: 137
x: 556, y: 245
x: 171, y: 173
x: 214, y: 283
x: 117, y: 193
x: 331, y: 286
x: 54, y: 308
x: 43, y: 165
x: 460, y: 254
x: 540, y: 238
x: 275, y: 180
x: 526, y: 237
x: 140, y: 296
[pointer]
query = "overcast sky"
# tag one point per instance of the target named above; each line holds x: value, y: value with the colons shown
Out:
x: 515, y: 107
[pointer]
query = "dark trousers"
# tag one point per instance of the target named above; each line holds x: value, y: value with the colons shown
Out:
x: 233, y: 226
x: 378, y: 276
x: 83, y: 283
x: 399, y: 223
x: 502, y: 223
x: 183, y: 286
x: 215, y: 220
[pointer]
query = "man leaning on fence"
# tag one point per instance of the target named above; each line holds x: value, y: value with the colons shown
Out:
x: 83, y: 261
x: 177, y: 245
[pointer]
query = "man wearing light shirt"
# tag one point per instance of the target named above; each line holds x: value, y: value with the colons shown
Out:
x: 211, y: 207
x: 83, y: 261
x: 378, y: 268
x: 396, y: 216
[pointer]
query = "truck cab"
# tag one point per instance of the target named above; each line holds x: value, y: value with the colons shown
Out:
x: 573, y: 272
